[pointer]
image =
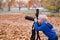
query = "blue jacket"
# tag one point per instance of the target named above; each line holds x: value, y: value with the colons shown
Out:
x: 46, y: 28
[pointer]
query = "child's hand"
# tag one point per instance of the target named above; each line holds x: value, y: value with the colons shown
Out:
x: 35, y: 19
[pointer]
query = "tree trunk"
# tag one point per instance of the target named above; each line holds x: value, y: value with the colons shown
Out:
x: 8, y: 6
x: 0, y: 4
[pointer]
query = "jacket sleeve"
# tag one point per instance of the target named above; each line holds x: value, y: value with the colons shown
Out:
x: 39, y: 28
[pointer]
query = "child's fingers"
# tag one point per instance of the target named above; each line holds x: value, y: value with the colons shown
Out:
x: 35, y: 19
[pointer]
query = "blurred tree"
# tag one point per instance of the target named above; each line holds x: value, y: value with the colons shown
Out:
x: 19, y: 3
x: 11, y: 3
x: 57, y: 4
x: 0, y: 4
x: 9, y: 6
x: 31, y: 3
x: 52, y: 5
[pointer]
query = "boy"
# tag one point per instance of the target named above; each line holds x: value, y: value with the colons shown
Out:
x: 42, y: 25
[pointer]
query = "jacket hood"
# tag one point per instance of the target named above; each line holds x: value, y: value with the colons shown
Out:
x: 50, y: 25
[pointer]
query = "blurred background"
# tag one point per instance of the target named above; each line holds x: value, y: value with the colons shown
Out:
x: 18, y: 5
x: 14, y: 26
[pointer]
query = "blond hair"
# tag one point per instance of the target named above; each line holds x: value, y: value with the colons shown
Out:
x: 43, y: 17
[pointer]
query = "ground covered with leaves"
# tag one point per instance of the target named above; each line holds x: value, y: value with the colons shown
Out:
x: 16, y: 27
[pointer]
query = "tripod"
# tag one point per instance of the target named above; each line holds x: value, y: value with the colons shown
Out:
x: 35, y: 34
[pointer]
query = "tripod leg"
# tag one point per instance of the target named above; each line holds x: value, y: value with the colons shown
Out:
x: 38, y: 37
x: 33, y: 33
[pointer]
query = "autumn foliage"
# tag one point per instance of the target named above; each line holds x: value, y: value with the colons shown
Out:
x: 15, y: 27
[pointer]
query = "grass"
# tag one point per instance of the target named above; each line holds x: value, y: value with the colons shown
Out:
x: 32, y: 11
x: 14, y: 12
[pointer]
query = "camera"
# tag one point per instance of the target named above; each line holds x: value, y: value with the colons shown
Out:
x: 29, y: 18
